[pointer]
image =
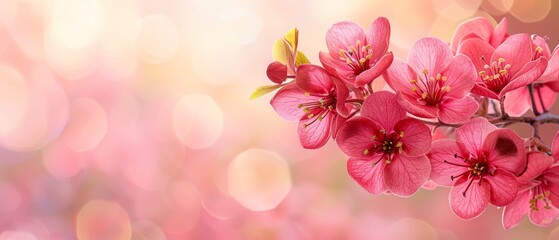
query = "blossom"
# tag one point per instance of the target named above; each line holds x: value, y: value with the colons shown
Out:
x: 286, y: 57
x: 545, y: 89
x: 356, y: 56
x: 317, y: 101
x: 508, y: 67
x: 538, y: 195
x: 481, y: 165
x: 434, y: 83
x: 481, y: 28
x: 386, y: 149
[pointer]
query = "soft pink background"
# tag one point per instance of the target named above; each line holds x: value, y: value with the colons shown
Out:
x: 124, y: 119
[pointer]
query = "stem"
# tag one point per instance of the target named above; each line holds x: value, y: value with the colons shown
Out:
x: 544, y: 110
x: 504, y: 114
x: 370, y: 87
x: 534, y: 108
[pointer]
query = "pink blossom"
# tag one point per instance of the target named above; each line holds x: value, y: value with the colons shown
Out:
x: 545, y: 89
x: 317, y: 101
x: 386, y: 149
x: 508, y: 67
x: 538, y: 195
x: 481, y: 166
x: 481, y: 28
x: 434, y: 83
x: 356, y: 56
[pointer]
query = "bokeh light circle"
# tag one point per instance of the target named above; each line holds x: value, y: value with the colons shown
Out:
x: 86, y: 126
x: 61, y: 161
x: 102, y: 219
x: 158, y: 40
x: 530, y: 11
x: 197, y: 121
x: 240, y: 25
x: 11, y: 198
x: 258, y: 179
x: 17, y: 235
x: 75, y: 23
x: 14, y: 94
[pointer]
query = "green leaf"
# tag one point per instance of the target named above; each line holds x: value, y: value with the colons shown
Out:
x: 263, y: 90
x: 292, y: 37
x: 301, y: 59
x: 281, y: 52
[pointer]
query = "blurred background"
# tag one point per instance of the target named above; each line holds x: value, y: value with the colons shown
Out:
x: 125, y: 119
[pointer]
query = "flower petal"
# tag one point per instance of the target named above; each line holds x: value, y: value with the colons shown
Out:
x: 371, y: 178
x: 483, y: 91
x: 375, y: 71
x: 478, y: 51
x: 443, y: 162
x: 537, y: 163
x: 517, y: 102
x: 429, y: 54
x: 504, y: 149
x: 383, y: 108
x: 343, y: 35
x: 503, y: 187
x: 500, y: 33
x: 405, y: 174
x: 378, y: 36
x: 472, y: 134
x: 355, y: 136
x: 411, y: 104
x: 543, y: 217
x: 461, y: 76
x: 286, y: 102
x: 480, y: 26
x: 457, y: 110
x: 277, y: 72
x: 337, y: 68
x: 516, y: 210
x: 528, y: 74
x: 399, y: 76
x: 414, y: 135
x: 314, y: 135
x: 471, y: 203
x: 342, y: 93
x: 313, y: 79
x: 516, y: 50
x: 555, y: 147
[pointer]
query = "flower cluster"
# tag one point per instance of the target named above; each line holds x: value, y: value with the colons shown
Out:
x: 473, y: 87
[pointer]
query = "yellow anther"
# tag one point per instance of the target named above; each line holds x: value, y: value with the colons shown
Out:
x: 307, y: 94
x: 481, y: 73
x: 414, y: 88
x: 446, y: 88
x: 300, y: 105
x: 443, y: 78
x: 501, y: 60
x: 342, y: 53
x: 546, y: 193
x: 424, y: 95
x: 366, y: 151
x: 305, y: 125
x: 432, y: 79
x: 373, y: 138
x: 502, y: 71
x: 320, y: 118
x: 362, y: 60
x: 496, y: 76
x: 399, y: 144
x: 383, y: 131
x: 348, y: 61
x: 402, y: 134
x: 306, y: 110
x: 310, y: 115
x: 358, y: 43
x: 438, y: 76
x: 330, y: 107
x: 413, y: 81
x: 424, y: 71
x: 507, y: 66
x: 539, y: 49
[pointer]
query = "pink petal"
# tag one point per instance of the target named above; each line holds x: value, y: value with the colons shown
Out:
x: 457, y: 110
x: 276, y: 72
x: 411, y: 105
x: 371, y: 178
x: 516, y: 50
x: 543, y: 217
x: 552, y: 71
x: 547, y: 95
x: 472, y: 134
x: 504, y: 149
x: 337, y: 68
x: 500, y: 33
x: 555, y: 147
x: 316, y: 134
x: 343, y: 35
x: 355, y: 136
x: 378, y: 36
x: 479, y: 26
x: 461, y: 76
x: 537, y: 163
x: 528, y: 74
x: 483, y: 91
x: 443, y: 162
x: 313, y: 79
x: 517, y: 102
x: 286, y: 102
x: 399, y: 76
x: 342, y: 93
x: 429, y: 54
x: 337, y: 123
x: 415, y: 136
x: 516, y: 210
x: 503, y: 187
x: 375, y: 71
x: 476, y: 49
x: 475, y: 200
x: 383, y: 108
x: 405, y: 174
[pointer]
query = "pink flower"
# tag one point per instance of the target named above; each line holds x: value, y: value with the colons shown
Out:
x: 545, y: 89
x: 481, y: 166
x: 317, y: 101
x: 508, y: 67
x: 481, y: 28
x: 434, y: 83
x: 386, y: 150
x: 538, y: 195
x: 356, y: 56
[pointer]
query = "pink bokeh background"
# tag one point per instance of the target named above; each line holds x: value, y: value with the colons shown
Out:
x: 130, y: 119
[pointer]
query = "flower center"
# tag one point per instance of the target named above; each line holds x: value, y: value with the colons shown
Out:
x: 496, y: 75
x: 387, y: 144
x: 540, y: 194
x: 319, y: 109
x: 429, y: 89
x: 357, y: 57
x: 476, y: 168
